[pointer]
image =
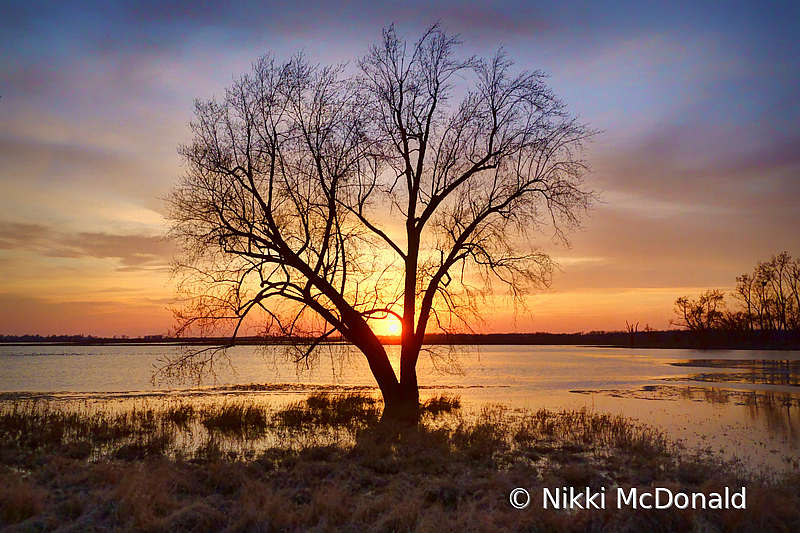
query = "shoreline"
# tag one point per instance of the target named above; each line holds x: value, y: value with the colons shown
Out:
x: 667, y: 339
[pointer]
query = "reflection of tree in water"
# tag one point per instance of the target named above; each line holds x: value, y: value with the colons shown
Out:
x: 773, y: 372
x: 756, y: 371
x: 720, y: 396
x: 777, y: 409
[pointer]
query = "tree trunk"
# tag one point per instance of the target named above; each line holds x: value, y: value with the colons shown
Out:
x: 403, y: 407
x: 400, y: 397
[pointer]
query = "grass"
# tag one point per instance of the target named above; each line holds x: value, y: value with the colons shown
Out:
x: 443, y: 403
x: 240, y: 420
x: 326, y: 464
x: 354, y: 411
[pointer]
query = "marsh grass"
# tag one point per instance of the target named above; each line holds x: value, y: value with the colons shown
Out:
x: 327, y: 463
x: 240, y: 420
x: 437, y: 405
x: 43, y: 426
x: 350, y: 410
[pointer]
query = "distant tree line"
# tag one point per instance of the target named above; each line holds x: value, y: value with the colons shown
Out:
x: 80, y: 339
x: 769, y: 306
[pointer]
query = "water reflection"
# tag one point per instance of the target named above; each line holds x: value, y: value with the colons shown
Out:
x: 777, y: 412
x: 755, y: 371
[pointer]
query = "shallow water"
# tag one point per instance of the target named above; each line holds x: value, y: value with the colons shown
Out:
x: 731, y: 401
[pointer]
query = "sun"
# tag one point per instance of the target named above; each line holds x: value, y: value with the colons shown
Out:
x: 393, y: 328
x: 389, y: 326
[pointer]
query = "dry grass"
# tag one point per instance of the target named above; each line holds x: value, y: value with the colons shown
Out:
x: 349, y: 410
x: 443, y: 403
x: 238, y: 419
x: 228, y: 467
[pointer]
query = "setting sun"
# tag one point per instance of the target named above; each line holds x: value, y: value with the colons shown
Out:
x: 387, y: 326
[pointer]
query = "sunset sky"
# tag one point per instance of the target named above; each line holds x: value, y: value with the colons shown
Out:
x: 698, y: 162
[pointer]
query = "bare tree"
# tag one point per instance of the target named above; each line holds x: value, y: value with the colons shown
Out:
x: 632, y: 330
x: 775, y: 276
x: 770, y: 296
x: 793, y: 284
x: 746, y: 293
x: 701, y: 315
x: 316, y: 203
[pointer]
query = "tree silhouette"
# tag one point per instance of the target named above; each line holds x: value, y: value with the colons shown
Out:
x: 700, y: 315
x: 318, y: 202
x: 632, y: 330
x: 770, y: 296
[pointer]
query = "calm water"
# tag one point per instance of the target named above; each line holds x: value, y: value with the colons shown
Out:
x: 743, y: 403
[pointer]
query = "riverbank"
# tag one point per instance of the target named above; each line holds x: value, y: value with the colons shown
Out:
x: 324, y: 464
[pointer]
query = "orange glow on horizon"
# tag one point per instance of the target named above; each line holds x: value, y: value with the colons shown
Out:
x: 389, y: 326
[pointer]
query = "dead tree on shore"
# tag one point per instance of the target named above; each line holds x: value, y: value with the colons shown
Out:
x: 632, y: 330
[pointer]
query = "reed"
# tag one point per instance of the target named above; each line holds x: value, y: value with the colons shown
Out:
x: 351, y: 410
x: 240, y: 420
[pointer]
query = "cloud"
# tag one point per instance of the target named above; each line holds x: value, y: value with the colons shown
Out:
x: 700, y: 161
x: 15, y: 236
x: 705, y: 166
x: 134, y: 252
x: 45, y: 160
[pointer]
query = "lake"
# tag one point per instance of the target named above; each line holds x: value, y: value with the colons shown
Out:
x: 745, y: 404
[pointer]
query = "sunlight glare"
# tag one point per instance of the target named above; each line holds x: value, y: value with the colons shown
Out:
x: 393, y: 327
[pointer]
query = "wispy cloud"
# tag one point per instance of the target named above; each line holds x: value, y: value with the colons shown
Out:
x: 134, y: 252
